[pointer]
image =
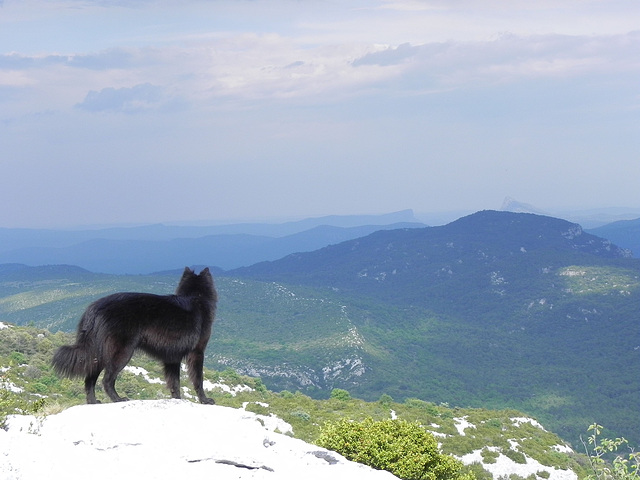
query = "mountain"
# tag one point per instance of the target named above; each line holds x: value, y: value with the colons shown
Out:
x: 12, y: 238
x: 598, y: 217
x: 589, y: 219
x: 405, y: 266
x: 512, y: 205
x: 496, y: 308
x: 146, y: 249
x: 625, y: 233
x: 224, y: 251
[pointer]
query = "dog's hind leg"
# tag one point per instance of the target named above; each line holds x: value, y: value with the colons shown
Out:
x: 195, y: 363
x: 117, y: 361
x: 109, y: 384
x: 90, y: 386
x: 172, y: 377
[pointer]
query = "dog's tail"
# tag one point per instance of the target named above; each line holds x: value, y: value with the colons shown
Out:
x: 71, y: 361
x: 77, y: 360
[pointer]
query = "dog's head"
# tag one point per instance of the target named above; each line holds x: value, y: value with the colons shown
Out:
x: 196, y: 285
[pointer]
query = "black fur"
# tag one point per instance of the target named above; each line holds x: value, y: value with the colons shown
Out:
x: 168, y: 327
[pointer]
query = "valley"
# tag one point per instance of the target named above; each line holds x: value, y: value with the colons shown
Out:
x: 496, y: 310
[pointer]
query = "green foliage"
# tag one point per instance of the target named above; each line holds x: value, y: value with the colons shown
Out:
x: 517, y: 457
x: 479, y: 472
x: 489, y: 456
x: 257, y: 407
x: 405, y: 449
x: 301, y: 414
x: 340, y: 394
x: 428, y: 407
x: 515, y: 476
x: 624, y: 466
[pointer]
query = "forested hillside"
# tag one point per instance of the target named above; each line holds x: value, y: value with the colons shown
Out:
x: 493, y: 309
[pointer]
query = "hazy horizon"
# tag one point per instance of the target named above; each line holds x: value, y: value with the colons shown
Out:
x: 593, y: 217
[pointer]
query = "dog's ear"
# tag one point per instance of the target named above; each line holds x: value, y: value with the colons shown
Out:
x: 205, y: 271
x: 187, y: 270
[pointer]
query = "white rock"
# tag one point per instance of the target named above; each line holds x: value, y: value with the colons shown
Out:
x: 462, y: 424
x: 142, y: 372
x: 162, y: 439
x: 233, y: 391
x: 504, y: 466
x: 517, y: 421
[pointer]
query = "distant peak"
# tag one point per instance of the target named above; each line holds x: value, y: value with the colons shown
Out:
x: 510, y: 204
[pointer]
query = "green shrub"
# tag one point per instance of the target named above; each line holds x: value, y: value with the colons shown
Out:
x: 340, y: 394
x: 489, y: 456
x: 17, y: 358
x: 405, y: 449
x: 494, y: 423
x: 479, y: 472
x: 301, y: 414
x: 258, y: 408
x: 428, y: 407
x: 516, y: 456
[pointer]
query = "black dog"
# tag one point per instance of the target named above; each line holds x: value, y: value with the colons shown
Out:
x: 168, y: 327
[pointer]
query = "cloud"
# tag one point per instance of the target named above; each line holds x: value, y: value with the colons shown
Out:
x: 232, y: 69
x: 128, y: 100
x: 108, y: 59
x: 389, y: 56
x: 509, y: 58
x: 111, y: 58
x: 15, y: 61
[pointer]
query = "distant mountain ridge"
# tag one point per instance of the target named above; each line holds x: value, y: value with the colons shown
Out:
x: 512, y: 205
x: 12, y: 238
x: 146, y: 249
x: 625, y: 233
x: 590, y: 219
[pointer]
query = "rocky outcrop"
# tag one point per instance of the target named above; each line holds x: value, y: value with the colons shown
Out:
x: 163, y: 439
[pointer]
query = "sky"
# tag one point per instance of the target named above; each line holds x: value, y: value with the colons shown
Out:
x: 145, y: 111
